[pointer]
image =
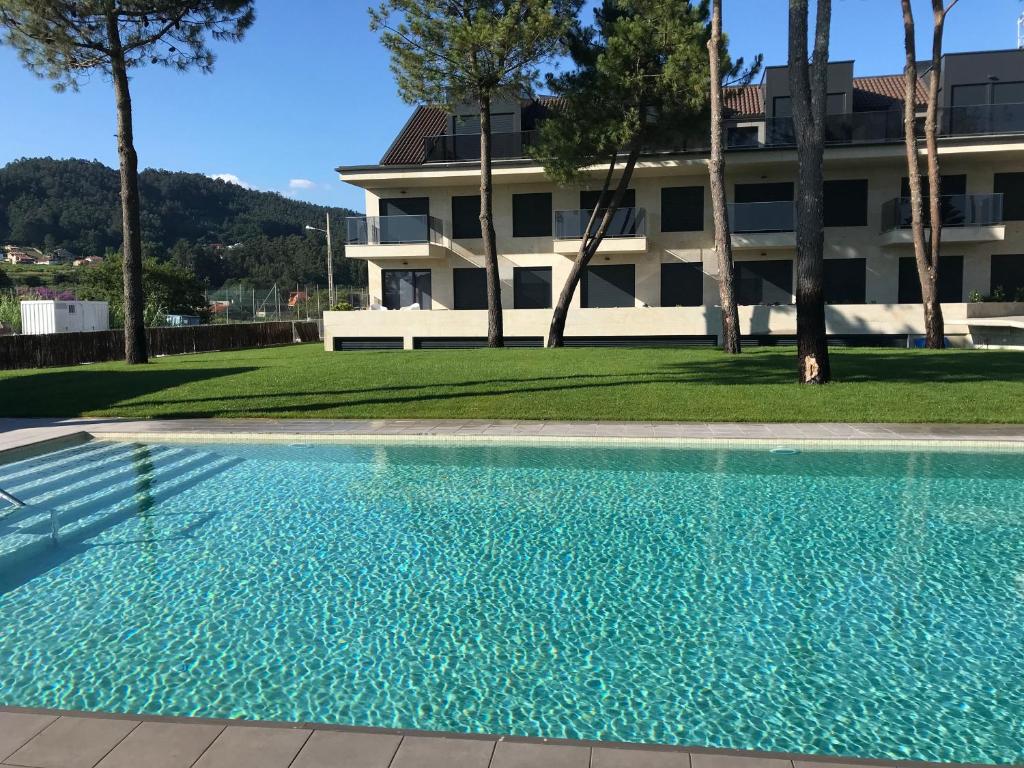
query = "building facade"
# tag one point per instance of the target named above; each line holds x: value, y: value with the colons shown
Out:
x: 654, y: 279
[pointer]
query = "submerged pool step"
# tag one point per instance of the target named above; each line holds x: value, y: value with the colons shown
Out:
x: 28, y: 470
x: 90, y: 503
x: 93, y: 523
x: 91, y: 495
x: 76, y: 483
x: 42, y: 489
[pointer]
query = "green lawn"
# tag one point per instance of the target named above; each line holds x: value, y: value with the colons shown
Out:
x: 612, y: 384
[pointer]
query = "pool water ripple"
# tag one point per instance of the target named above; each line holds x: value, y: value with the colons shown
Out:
x: 848, y: 603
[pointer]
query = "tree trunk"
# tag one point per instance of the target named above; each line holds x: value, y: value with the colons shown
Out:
x: 495, y: 325
x: 809, y: 91
x: 925, y: 274
x: 935, y: 327
x: 131, y: 223
x: 589, y: 244
x: 720, y: 211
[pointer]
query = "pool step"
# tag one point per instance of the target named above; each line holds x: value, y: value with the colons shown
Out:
x: 93, y: 489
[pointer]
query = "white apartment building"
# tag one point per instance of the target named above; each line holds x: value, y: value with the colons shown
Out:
x: 654, y: 280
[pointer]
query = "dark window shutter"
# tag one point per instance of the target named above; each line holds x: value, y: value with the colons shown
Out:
x: 682, y: 284
x: 612, y: 285
x: 531, y: 215
x: 1011, y: 186
x: 845, y: 281
x: 764, y: 282
x: 470, y: 287
x: 531, y: 287
x: 846, y: 203
x: 682, y: 209
x: 1007, y: 275
x: 951, y: 280
x: 466, y: 217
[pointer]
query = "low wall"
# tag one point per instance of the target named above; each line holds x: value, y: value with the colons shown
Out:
x: 846, y: 319
x: 59, y: 349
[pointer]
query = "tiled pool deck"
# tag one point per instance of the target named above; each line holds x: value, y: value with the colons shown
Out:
x: 42, y: 739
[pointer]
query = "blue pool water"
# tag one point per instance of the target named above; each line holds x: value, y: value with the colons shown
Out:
x: 849, y: 603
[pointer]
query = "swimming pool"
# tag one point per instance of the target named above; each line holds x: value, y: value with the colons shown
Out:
x: 833, y: 602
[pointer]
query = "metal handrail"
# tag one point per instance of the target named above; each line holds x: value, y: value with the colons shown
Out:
x: 17, y: 503
x: 11, y: 499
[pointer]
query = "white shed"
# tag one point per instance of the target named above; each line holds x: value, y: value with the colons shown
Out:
x: 39, y: 317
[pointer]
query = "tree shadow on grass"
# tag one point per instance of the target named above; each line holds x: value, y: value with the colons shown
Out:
x: 73, y: 393
x: 882, y: 366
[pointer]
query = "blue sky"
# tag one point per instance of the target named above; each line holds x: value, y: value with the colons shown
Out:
x: 309, y: 89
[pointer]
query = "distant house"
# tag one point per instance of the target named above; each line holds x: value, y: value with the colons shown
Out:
x: 18, y: 255
x: 88, y: 261
x: 60, y: 256
x: 297, y: 297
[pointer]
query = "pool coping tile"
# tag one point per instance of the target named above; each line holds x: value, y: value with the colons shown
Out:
x: 72, y: 741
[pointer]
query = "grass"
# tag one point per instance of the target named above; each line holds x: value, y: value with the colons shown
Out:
x: 967, y: 386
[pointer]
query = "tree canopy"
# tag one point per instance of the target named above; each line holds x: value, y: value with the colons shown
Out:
x: 447, y: 52
x: 649, y: 59
x: 64, y: 39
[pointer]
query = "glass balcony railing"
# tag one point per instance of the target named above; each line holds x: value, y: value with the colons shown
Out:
x: 774, y: 216
x: 392, y: 230
x: 626, y: 222
x: 957, y: 211
x: 448, y: 148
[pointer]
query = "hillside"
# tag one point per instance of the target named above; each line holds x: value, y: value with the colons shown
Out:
x: 73, y: 204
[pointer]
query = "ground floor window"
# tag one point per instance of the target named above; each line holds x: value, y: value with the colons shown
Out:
x: 845, y: 281
x: 531, y: 287
x: 764, y: 282
x: 1008, y: 276
x: 403, y: 287
x: 951, y: 280
x: 611, y: 285
x: 470, y: 288
x: 682, y: 284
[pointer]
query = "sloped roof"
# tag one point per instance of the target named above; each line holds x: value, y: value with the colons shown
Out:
x: 747, y: 101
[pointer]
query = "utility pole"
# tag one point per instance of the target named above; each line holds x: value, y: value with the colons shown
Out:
x: 330, y: 264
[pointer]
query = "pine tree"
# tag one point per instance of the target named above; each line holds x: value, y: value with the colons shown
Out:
x: 66, y: 40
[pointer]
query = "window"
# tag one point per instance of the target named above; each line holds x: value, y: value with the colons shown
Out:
x: 845, y: 281
x: 611, y: 285
x: 623, y: 223
x: 470, y: 287
x: 782, y: 106
x: 682, y: 284
x: 742, y: 137
x: 531, y: 215
x: 71, y: 309
x: 1008, y: 93
x: 403, y: 287
x: 846, y: 203
x: 1008, y: 275
x: 952, y: 205
x: 764, y: 193
x: 951, y: 280
x: 967, y: 95
x: 764, y: 282
x: 531, y: 287
x: 404, y: 220
x: 466, y: 217
x: 682, y: 209
x: 501, y: 122
x: 1011, y: 186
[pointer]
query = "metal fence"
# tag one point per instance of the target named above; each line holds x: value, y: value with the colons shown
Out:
x: 248, y: 304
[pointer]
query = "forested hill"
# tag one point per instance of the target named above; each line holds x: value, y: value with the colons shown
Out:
x: 74, y: 204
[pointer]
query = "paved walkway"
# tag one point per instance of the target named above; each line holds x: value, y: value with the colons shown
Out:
x: 21, y: 432
x: 39, y: 739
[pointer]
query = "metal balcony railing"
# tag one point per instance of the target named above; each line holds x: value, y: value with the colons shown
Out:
x: 393, y: 230
x: 626, y: 222
x: 957, y: 211
x: 448, y: 148
x: 774, y: 216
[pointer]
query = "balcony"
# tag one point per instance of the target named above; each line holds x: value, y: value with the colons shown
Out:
x: 762, y: 226
x: 627, y: 232
x: 448, y: 148
x: 395, y: 237
x: 965, y: 219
